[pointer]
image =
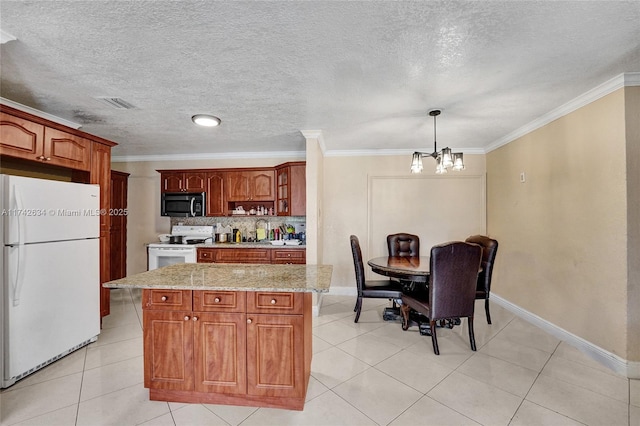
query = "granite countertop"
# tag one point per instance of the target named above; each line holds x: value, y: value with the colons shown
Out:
x: 233, y: 277
x: 238, y: 245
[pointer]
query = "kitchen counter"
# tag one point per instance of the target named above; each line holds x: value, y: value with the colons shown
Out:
x: 234, y: 334
x: 232, y: 277
x: 235, y: 245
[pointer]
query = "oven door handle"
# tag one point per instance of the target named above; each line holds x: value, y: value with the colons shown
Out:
x: 169, y: 252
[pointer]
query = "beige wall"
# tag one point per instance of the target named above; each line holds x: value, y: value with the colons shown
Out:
x: 632, y: 110
x: 347, y: 209
x: 144, y: 222
x: 563, y: 232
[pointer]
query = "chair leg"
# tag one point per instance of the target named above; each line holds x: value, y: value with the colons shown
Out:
x: 358, y: 308
x: 434, y: 339
x: 472, y: 337
x: 404, y: 311
x: 486, y: 309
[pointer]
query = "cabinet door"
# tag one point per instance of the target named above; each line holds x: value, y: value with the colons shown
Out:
x: 171, y: 182
x: 194, y: 182
x: 101, y: 174
x: 168, y: 350
x: 66, y: 150
x: 298, y: 190
x: 220, y: 352
x: 293, y: 256
x: 275, y: 355
x: 252, y: 255
x: 215, y: 194
x: 261, y: 185
x: 237, y: 186
x: 206, y: 255
x: 282, y: 191
x: 20, y: 138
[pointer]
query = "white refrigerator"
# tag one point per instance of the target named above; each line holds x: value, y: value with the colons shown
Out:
x: 50, y: 269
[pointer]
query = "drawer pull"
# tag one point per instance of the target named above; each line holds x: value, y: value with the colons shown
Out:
x: 186, y: 318
x: 163, y: 298
x: 273, y: 301
x: 249, y: 321
x: 216, y: 300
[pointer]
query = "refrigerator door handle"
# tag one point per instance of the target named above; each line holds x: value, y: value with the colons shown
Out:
x: 16, y: 283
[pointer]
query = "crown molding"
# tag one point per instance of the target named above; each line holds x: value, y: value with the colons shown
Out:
x: 609, y: 86
x: 316, y: 134
x: 5, y: 37
x: 39, y: 113
x: 209, y: 156
x: 389, y: 152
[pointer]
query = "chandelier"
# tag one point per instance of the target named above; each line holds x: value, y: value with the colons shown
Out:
x: 445, y: 159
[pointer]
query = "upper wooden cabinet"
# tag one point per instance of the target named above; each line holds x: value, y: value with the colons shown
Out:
x: 216, y: 205
x: 183, y: 182
x: 255, y: 188
x: 22, y: 138
x: 38, y: 142
x: 291, y: 189
x: 251, y: 185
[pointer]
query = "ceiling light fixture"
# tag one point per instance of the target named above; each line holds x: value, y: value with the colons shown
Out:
x: 445, y: 159
x: 206, y: 120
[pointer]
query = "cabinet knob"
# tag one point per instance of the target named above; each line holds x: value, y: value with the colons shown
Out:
x: 186, y: 318
x: 273, y: 301
x: 163, y: 298
x: 249, y: 321
x: 48, y: 159
x: 216, y: 300
x: 195, y: 318
x: 41, y: 157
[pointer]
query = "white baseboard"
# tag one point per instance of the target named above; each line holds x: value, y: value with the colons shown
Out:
x: 612, y: 361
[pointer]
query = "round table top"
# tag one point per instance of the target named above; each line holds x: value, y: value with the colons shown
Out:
x: 401, y: 266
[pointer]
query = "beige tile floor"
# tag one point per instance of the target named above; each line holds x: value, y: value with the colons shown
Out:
x: 370, y: 373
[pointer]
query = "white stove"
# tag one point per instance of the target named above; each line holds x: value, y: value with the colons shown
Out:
x: 165, y: 254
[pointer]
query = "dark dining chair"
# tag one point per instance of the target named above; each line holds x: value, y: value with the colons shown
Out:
x: 489, y: 251
x: 379, y: 289
x: 452, y: 286
x: 403, y: 244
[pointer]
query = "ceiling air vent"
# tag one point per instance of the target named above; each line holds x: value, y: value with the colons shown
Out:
x: 116, y: 103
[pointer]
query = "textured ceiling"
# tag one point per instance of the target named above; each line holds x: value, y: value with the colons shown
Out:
x: 364, y: 73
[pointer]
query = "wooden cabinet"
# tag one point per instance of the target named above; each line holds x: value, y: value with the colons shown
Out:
x: 294, y: 256
x: 183, y: 182
x: 118, y: 230
x: 230, y: 255
x: 250, y: 185
x: 25, y: 139
x: 216, y: 205
x: 250, y: 255
x: 38, y: 143
x: 227, y: 347
x: 101, y: 175
x: 282, y: 187
x: 291, y: 189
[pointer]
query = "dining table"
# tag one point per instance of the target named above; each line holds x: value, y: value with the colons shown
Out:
x: 405, y: 268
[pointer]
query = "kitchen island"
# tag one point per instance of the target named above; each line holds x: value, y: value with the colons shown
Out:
x: 235, y: 334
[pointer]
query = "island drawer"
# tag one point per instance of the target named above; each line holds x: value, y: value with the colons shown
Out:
x: 219, y: 301
x: 166, y: 300
x: 297, y: 256
x: 275, y: 302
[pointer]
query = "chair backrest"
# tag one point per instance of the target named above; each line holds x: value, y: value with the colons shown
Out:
x: 489, y: 251
x: 452, y: 284
x: 403, y: 244
x: 357, y: 262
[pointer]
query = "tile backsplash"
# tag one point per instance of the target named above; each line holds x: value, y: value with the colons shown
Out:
x: 246, y: 224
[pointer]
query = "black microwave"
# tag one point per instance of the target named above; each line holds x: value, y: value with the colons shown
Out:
x: 183, y: 204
